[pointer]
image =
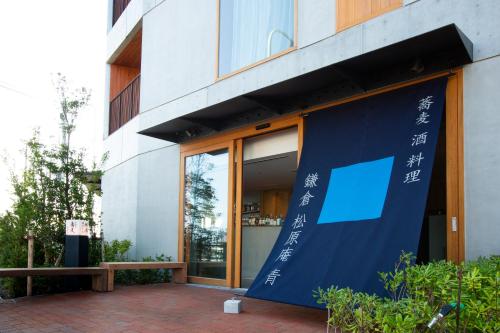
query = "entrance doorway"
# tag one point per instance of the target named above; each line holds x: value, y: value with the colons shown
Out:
x: 432, y: 245
x: 269, y: 169
x: 259, y: 179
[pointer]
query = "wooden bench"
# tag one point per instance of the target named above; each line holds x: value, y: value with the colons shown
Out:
x: 99, y: 275
x: 179, y: 269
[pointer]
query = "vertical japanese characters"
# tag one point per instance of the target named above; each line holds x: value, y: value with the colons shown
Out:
x: 420, y: 138
x: 310, y: 183
x: 414, y: 165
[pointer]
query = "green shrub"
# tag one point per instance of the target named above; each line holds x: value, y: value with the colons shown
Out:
x: 117, y: 251
x: 95, y: 250
x: 416, y: 293
x: 13, y: 253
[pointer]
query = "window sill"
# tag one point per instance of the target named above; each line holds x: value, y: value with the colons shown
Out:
x: 260, y: 62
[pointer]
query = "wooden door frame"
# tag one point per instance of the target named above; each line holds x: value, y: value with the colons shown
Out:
x: 233, y: 138
x: 296, y: 122
x: 455, y: 239
x: 454, y: 165
x: 228, y: 144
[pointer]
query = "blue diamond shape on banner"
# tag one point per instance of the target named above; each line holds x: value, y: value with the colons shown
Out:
x: 357, y: 192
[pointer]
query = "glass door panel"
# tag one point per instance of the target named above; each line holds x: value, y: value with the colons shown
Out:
x: 268, y: 174
x: 206, y: 212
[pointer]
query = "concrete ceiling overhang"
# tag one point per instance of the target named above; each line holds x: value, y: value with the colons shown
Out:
x: 441, y: 49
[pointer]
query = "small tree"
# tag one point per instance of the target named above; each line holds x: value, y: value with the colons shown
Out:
x: 51, y: 189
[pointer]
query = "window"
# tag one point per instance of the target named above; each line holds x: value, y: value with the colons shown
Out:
x: 253, y: 30
x: 206, y: 214
x: 352, y: 12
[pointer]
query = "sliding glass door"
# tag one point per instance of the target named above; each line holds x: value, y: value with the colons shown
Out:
x: 206, y: 214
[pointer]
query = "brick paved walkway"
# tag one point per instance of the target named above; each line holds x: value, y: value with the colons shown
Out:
x: 154, y: 308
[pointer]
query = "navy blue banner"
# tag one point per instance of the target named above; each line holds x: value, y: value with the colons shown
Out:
x: 359, y: 196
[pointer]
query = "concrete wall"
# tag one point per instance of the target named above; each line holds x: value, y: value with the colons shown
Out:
x: 178, y: 51
x: 482, y: 157
x: 319, y: 47
x: 316, y: 21
x: 119, y: 203
x: 158, y: 202
x: 178, y: 77
x: 141, y: 200
x: 140, y: 192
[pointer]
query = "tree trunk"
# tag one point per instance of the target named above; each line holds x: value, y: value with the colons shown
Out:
x: 59, y: 258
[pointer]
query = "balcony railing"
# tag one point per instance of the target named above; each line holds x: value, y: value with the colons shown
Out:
x: 125, y: 106
x: 118, y: 8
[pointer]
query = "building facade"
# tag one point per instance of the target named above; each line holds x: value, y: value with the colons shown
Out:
x: 205, y: 114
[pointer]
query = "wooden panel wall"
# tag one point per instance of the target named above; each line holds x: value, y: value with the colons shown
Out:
x: 131, y: 54
x: 120, y: 78
x: 126, y: 67
x: 275, y: 203
x: 352, y: 12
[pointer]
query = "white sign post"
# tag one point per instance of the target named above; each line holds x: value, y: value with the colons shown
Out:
x: 77, y: 228
x: 76, y: 252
